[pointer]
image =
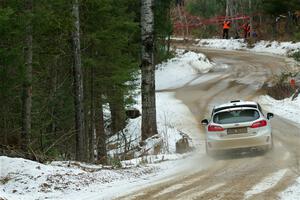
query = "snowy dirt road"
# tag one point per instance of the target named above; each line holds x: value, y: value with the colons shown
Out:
x: 244, y: 176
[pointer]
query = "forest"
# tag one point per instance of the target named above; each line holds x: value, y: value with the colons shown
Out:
x: 270, y: 19
x: 69, y: 70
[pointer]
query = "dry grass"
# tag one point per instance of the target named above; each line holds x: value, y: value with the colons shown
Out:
x: 5, y: 180
x: 281, y: 87
x: 280, y: 91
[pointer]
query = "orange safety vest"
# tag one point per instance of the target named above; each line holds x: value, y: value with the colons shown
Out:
x: 226, y: 25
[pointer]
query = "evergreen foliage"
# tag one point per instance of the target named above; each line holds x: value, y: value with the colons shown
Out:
x: 163, y: 29
x: 270, y: 19
x: 110, y: 51
x: 207, y: 9
x: 277, y: 7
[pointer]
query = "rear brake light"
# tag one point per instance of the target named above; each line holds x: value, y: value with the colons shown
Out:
x: 215, y: 128
x: 258, y: 124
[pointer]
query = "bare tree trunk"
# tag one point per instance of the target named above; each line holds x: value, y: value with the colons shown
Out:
x: 227, y: 8
x: 149, y: 126
x: 251, y: 18
x: 27, y: 85
x: 81, y: 151
x: 117, y: 109
x: 53, y: 88
x: 260, y: 20
x: 101, y: 136
x: 183, y: 22
x: 232, y: 13
x: 92, y: 131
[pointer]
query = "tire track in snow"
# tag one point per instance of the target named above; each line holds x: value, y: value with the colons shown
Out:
x: 266, y: 183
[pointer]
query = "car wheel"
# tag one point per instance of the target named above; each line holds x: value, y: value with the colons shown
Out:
x: 269, y: 147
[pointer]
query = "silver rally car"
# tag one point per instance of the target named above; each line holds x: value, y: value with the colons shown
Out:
x: 238, y: 125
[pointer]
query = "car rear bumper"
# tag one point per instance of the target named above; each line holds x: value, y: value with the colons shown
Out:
x: 262, y: 141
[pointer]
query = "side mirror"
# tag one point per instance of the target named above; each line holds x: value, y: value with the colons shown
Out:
x: 270, y: 115
x: 204, y: 122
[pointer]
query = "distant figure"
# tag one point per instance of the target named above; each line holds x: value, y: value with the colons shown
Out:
x: 226, y: 27
x: 246, y: 28
x: 180, y: 3
x: 254, y: 34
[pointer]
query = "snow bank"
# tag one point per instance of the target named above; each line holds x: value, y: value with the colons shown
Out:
x: 23, y: 179
x: 273, y: 47
x: 292, y: 192
x: 172, y: 118
x: 178, y: 71
x: 286, y: 108
x: 230, y: 44
x: 27, y: 180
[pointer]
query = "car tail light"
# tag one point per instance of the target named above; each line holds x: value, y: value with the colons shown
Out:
x: 258, y: 124
x: 215, y: 128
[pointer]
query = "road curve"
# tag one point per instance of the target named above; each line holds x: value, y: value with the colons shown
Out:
x: 245, y: 176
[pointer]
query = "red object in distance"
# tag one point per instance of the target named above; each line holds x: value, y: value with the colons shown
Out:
x: 293, y: 83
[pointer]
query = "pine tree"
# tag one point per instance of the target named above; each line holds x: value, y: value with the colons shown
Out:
x: 78, y: 88
x: 109, y: 32
x: 11, y: 72
x: 27, y: 85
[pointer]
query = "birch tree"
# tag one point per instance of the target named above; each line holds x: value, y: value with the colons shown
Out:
x: 149, y: 126
x: 81, y: 154
x: 227, y: 8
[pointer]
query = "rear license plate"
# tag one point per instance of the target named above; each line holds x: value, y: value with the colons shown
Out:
x: 236, y: 130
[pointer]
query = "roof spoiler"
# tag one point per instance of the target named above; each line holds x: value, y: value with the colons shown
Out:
x: 235, y: 101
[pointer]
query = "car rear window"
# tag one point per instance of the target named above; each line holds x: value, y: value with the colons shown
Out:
x: 236, y: 116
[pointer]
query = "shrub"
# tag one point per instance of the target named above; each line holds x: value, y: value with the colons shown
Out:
x: 281, y: 87
x: 296, y: 55
x: 5, y: 180
x: 297, y: 35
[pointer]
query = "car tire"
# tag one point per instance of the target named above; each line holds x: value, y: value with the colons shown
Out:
x: 269, y: 147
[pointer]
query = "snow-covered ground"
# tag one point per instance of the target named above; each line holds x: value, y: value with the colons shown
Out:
x: 290, y: 110
x: 273, y: 47
x: 22, y: 179
x: 285, y: 108
x: 266, y: 183
x: 230, y: 44
x: 292, y: 192
x: 179, y: 71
